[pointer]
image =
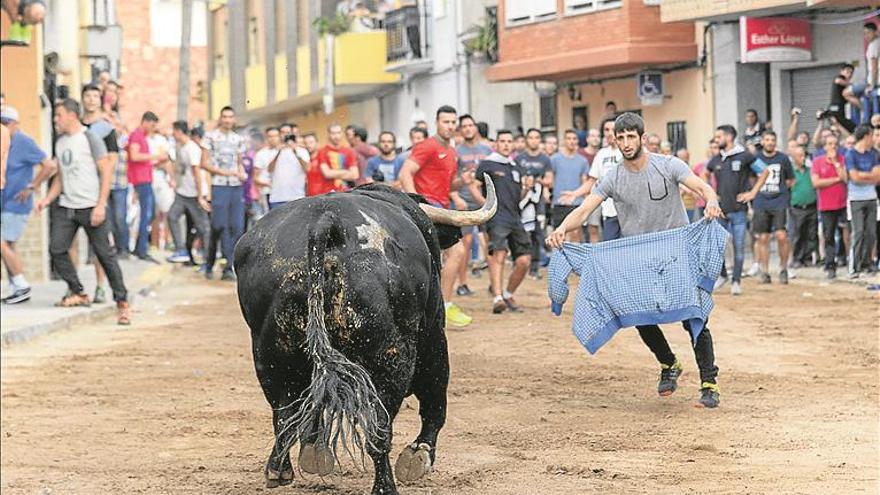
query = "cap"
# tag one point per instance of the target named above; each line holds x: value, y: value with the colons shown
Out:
x: 9, y: 114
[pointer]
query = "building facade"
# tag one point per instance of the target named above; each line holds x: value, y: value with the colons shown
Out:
x: 269, y: 61
x: 774, y: 87
x: 590, y: 52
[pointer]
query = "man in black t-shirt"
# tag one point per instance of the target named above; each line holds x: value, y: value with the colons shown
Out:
x: 732, y: 169
x: 533, y: 209
x: 93, y: 118
x: 506, y: 232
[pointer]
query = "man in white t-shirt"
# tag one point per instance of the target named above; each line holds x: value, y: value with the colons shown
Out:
x: 190, y: 195
x: 82, y: 187
x: 263, y: 158
x: 288, y: 173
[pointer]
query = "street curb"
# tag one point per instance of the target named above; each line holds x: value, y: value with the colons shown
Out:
x: 153, y: 277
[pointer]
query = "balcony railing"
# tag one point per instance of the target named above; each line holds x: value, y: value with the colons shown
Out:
x: 406, y: 44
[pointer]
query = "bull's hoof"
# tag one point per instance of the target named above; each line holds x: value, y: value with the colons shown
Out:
x: 274, y: 479
x: 413, y: 463
x: 316, y: 459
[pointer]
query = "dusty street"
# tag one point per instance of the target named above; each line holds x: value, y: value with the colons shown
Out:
x: 172, y: 405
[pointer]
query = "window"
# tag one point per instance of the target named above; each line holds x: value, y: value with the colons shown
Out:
x: 676, y: 134
x: 280, y: 27
x: 574, y: 7
x: 513, y: 117
x: 548, y: 113
x: 166, y: 18
x: 524, y: 11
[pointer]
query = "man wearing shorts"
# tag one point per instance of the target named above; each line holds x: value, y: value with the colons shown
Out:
x: 771, y: 205
x: 506, y: 231
x: 431, y: 171
x: 535, y: 164
x: 470, y: 152
x: 568, y: 173
x: 17, y: 200
x: 634, y: 185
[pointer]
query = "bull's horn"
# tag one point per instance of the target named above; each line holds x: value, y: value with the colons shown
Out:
x: 466, y: 218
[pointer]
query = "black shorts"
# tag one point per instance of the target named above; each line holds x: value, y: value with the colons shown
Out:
x: 503, y: 237
x: 470, y: 229
x: 559, y: 213
x: 769, y: 221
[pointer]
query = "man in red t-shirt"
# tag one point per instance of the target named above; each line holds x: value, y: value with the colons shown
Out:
x: 140, y: 176
x: 430, y: 171
x: 334, y: 165
x: 829, y: 179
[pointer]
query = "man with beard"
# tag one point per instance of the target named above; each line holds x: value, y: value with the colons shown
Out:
x: 385, y: 166
x: 535, y: 164
x: 470, y: 153
x: 645, y: 191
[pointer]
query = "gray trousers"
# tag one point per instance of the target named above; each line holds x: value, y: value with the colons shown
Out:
x: 864, y: 226
x: 190, y: 207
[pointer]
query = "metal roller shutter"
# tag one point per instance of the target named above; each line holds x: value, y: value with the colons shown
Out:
x: 810, y: 91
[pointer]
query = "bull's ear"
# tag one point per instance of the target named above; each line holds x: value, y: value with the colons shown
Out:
x: 447, y: 235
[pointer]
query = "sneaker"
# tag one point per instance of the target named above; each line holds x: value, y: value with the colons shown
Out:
x: 499, y: 307
x: 719, y: 283
x: 19, y: 296
x: 510, y: 302
x: 464, y: 290
x: 208, y: 271
x: 456, y: 317
x: 709, y: 395
x: 831, y: 274
x: 179, y: 256
x: 754, y: 271
x: 735, y: 289
x: 783, y: 277
x: 765, y: 279
x: 535, y: 275
x: 100, y: 295
x: 148, y: 259
x: 796, y: 264
x: 853, y: 275
x: 123, y: 313
x: 669, y: 378
x: 228, y: 274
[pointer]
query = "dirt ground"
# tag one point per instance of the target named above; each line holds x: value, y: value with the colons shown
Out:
x: 172, y: 405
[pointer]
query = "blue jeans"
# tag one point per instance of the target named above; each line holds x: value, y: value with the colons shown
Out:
x: 735, y: 223
x: 147, y: 204
x: 227, y: 220
x: 117, y: 216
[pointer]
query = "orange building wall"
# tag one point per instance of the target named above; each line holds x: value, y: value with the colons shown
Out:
x: 21, y: 80
x: 150, y: 74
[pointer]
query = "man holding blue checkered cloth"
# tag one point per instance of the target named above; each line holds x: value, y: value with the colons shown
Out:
x: 645, y: 192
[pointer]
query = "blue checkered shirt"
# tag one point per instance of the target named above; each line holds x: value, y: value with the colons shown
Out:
x: 648, y: 279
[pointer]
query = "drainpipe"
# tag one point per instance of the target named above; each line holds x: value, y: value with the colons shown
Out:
x: 329, y: 80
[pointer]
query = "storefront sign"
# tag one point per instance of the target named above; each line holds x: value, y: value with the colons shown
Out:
x: 775, y: 39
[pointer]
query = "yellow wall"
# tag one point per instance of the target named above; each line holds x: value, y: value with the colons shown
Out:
x: 255, y: 86
x: 303, y: 71
x: 220, y: 95
x: 317, y: 121
x: 359, y: 58
x: 280, y: 77
x: 685, y: 100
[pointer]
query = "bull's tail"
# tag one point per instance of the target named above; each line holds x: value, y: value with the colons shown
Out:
x: 341, y: 405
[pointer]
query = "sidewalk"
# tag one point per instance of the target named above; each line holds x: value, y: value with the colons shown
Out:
x: 39, y: 316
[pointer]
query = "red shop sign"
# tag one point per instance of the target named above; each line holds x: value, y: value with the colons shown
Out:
x: 775, y: 39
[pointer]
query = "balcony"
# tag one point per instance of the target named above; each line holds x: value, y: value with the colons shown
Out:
x: 407, y: 45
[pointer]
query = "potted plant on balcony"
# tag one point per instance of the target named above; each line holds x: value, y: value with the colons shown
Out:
x: 334, y: 25
x: 481, y: 41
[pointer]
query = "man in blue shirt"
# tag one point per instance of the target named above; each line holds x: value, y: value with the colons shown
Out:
x: 645, y: 192
x: 384, y: 166
x: 771, y: 205
x: 863, y: 171
x: 17, y: 200
x: 568, y: 171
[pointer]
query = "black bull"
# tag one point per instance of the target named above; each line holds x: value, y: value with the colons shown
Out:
x: 342, y: 296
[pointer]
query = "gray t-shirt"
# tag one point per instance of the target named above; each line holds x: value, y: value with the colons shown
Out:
x: 568, y: 175
x: 469, y: 158
x: 78, y: 155
x: 649, y: 200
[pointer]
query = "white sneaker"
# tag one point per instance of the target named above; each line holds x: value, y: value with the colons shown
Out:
x: 719, y: 282
x: 735, y: 289
x: 754, y: 271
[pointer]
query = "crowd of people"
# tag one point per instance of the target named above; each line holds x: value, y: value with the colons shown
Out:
x: 179, y: 188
